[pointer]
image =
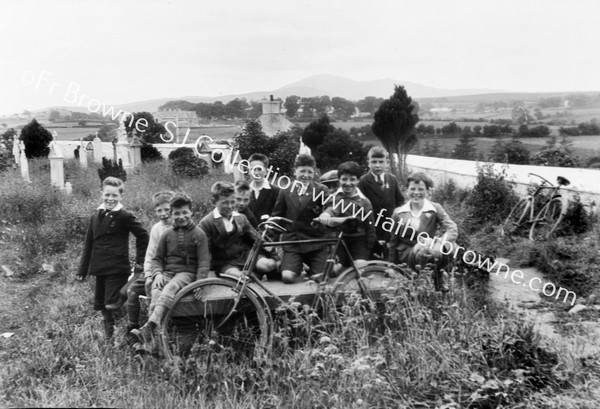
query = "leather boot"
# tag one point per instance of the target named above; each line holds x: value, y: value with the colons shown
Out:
x: 109, y: 324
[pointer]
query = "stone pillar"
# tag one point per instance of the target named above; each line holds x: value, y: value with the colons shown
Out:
x: 89, y: 152
x: 23, y: 163
x: 57, y: 170
x: 83, y: 158
x: 122, y: 148
x: 15, y: 149
x: 97, y: 143
x: 136, y: 154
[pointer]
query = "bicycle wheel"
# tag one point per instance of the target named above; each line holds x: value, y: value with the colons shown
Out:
x: 210, y: 316
x: 374, y: 278
x: 516, y: 217
x: 547, y: 220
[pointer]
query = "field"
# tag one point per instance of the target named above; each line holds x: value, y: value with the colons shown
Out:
x: 414, y: 349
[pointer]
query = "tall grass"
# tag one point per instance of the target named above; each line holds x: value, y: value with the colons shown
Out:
x: 414, y: 348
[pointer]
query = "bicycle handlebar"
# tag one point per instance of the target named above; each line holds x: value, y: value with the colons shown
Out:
x: 540, y: 177
x: 274, y: 222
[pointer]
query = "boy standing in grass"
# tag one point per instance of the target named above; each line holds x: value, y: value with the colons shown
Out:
x: 106, y: 250
x: 230, y: 234
x: 142, y: 283
x: 382, y: 190
x: 349, y: 203
x: 181, y: 258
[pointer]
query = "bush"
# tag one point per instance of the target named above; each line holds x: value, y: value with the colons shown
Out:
x: 150, y: 153
x: 185, y: 163
x: 36, y: 139
x: 491, y: 198
x: 110, y: 169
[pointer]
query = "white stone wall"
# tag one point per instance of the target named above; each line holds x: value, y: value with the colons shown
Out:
x: 584, y: 182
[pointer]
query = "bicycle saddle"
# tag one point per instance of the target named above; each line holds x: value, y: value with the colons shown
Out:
x: 562, y: 181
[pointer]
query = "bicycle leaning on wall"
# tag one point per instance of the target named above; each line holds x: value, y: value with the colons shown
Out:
x: 544, y: 223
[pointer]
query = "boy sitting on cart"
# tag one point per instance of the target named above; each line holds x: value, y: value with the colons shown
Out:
x: 349, y: 203
x: 181, y: 258
x: 301, y: 202
x: 230, y: 234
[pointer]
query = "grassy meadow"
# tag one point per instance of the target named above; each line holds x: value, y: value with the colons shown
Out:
x: 413, y: 349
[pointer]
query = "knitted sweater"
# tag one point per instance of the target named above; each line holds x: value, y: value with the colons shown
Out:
x: 182, y: 249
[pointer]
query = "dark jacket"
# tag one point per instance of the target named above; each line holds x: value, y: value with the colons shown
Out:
x: 106, y: 246
x: 265, y: 202
x: 302, y: 210
x: 228, y: 247
x: 386, y: 197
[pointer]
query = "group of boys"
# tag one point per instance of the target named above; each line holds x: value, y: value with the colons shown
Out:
x: 177, y: 251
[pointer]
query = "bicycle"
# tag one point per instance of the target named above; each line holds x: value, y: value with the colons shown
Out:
x: 235, y: 312
x: 547, y: 219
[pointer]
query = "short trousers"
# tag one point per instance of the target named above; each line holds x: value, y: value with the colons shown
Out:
x: 357, y: 247
x: 107, y: 290
x: 316, y: 261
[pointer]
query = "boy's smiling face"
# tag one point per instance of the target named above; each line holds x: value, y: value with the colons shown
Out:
x: 348, y: 183
x: 225, y: 205
x: 163, y: 212
x: 111, y: 196
x: 182, y: 216
x: 304, y: 174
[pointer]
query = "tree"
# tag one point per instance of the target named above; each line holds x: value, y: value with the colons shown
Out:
x: 556, y: 154
x: 54, y: 116
x: 292, y: 105
x: 282, y: 150
x: 513, y: 152
x: 185, y: 163
x: 236, y: 108
x: 255, y: 110
x: 339, y: 147
x: 314, y: 133
x: 107, y: 133
x: 394, y: 123
x: 36, y: 139
x: 252, y: 140
x: 433, y: 149
x: 144, y: 127
x: 369, y: 104
x: 466, y: 148
x: 342, y: 108
x: 451, y: 129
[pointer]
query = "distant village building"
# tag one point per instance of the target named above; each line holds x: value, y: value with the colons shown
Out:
x: 272, y: 120
x: 183, y: 119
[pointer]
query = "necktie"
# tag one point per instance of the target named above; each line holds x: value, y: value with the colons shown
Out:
x: 379, y: 180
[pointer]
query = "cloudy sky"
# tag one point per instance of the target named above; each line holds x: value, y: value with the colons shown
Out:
x: 122, y: 51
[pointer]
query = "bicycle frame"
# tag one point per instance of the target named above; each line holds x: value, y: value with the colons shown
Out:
x: 248, y: 275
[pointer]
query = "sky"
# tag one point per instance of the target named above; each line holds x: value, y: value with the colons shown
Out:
x: 123, y: 51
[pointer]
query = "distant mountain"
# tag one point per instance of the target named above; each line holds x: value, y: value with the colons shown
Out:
x: 336, y: 86
x: 316, y: 85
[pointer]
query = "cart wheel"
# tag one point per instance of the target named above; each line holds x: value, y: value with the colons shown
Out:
x: 211, y: 316
x: 517, y: 216
x: 376, y: 276
x: 547, y: 220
